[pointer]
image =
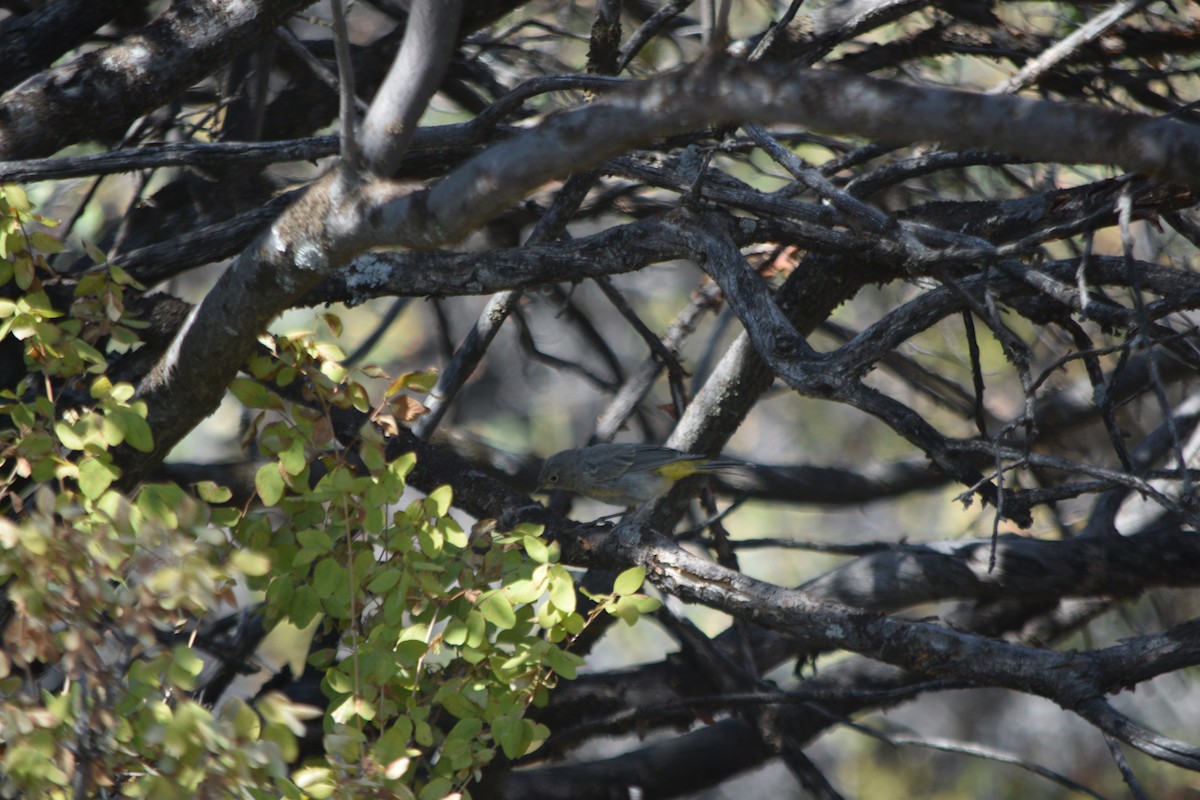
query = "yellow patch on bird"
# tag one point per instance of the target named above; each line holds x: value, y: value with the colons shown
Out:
x: 678, y: 470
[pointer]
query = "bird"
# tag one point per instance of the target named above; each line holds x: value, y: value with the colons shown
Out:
x: 626, y: 474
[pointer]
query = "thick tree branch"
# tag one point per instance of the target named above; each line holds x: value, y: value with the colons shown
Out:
x: 1029, y: 569
x: 1074, y: 681
x: 830, y: 101
x: 109, y: 88
x: 329, y: 230
x: 33, y: 41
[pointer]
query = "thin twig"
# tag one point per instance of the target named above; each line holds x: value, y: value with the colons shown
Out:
x: 648, y: 30
x: 1135, y: 787
x: 976, y: 751
x: 635, y: 389
x: 468, y: 355
x: 1124, y: 216
x: 323, y: 73
x: 351, y: 153
x: 768, y: 39
x: 669, y: 359
x: 1054, y: 55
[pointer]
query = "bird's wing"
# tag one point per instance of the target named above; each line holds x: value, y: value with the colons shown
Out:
x: 610, y: 461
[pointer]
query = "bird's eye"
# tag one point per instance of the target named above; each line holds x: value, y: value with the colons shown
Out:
x: 551, y: 479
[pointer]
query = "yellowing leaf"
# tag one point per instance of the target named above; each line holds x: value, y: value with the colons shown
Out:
x: 250, y: 563
x: 421, y: 381
x: 211, y: 492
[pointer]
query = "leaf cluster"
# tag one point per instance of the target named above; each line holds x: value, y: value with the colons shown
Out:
x: 437, y: 641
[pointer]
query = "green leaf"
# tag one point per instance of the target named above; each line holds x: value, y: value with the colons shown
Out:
x: 94, y: 253
x: 161, y: 502
x: 514, y: 735
x: 574, y: 624
x: 452, y: 532
x: 293, y: 458
x: 436, y: 789
x: 456, y: 633
x: 497, y: 610
x: 385, y: 581
x: 420, y: 381
x: 211, y: 492
x: 529, y: 529
x: 524, y: 591
x: 16, y: 197
x: 393, y: 744
x: 225, y: 517
x: 124, y: 392
x: 249, y: 393
x: 402, y: 465
x: 644, y: 604
x: 409, y: 652
x: 123, y: 278
x: 246, y: 722
x: 95, y: 477
x: 626, y: 608
x: 330, y: 578
x: 465, y: 729
x: 185, y: 666
x: 339, y: 681
x: 476, y: 628
x: 562, y: 589
x: 461, y: 707
x: 629, y: 581
x: 135, y: 429
x: 68, y: 435
x: 563, y: 663
x: 536, y: 548
x: 305, y: 606
x: 46, y: 244
x: 315, y: 539
x: 269, y: 483
x: 23, y: 271
x: 441, y: 498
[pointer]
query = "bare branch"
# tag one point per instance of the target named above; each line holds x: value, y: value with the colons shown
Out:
x: 414, y: 77
x: 824, y: 100
x: 1034, y: 69
x: 319, y: 69
x: 347, y: 129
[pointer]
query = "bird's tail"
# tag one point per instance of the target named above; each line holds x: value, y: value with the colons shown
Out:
x: 724, y: 464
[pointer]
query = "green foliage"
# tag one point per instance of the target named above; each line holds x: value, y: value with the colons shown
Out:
x: 445, y: 638
x: 624, y: 602
x: 95, y: 667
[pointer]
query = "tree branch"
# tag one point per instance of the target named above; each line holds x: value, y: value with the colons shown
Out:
x: 109, y: 88
x: 415, y: 75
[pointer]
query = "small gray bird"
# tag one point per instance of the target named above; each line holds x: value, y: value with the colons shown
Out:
x: 625, y: 474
